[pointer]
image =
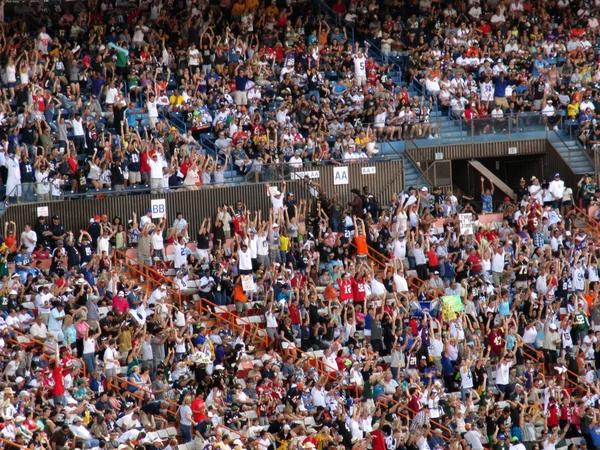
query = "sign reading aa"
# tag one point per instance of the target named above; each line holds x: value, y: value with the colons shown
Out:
x: 340, y: 175
x: 159, y: 208
x: 466, y: 224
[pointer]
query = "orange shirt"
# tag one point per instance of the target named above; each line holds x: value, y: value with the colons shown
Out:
x: 361, y: 245
x: 11, y: 242
x: 238, y: 293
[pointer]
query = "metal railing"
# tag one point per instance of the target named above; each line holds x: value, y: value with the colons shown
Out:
x: 119, y: 383
x: 490, y: 129
x: 27, y: 340
x: 152, y: 277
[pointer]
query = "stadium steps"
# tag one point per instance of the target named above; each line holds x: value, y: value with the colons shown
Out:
x: 572, y: 153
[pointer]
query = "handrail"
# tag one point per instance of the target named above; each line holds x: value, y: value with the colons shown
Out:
x: 549, y: 130
x: 409, y: 417
x: 139, y: 388
x: 147, y: 272
x: 43, y: 344
x: 584, y: 216
x: 255, y: 330
x: 159, y: 278
x: 228, y: 430
x: 538, y: 354
x: 387, y: 261
x: 13, y: 444
x: 318, y: 361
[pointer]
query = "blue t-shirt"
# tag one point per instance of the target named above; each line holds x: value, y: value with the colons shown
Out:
x: 595, y: 435
x: 447, y: 368
x: 488, y: 204
x: 368, y: 319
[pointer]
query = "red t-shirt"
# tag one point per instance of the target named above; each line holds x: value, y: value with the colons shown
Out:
x: 198, y: 405
x: 378, y: 442
x: 345, y: 289
x: 360, y: 293
x: 59, y: 385
x: 496, y: 341
x: 433, y: 259
x: 294, y: 315
x: 475, y: 261
x: 144, y: 167
x: 120, y: 303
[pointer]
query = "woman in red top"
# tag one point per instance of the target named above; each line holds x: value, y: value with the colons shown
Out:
x: 475, y: 260
x: 434, y: 262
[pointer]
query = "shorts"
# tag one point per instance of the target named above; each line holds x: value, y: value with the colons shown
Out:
x: 271, y: 332
x: 504, y: 388
x: 367, y: 332
x: 551, y: 356
x: 242, y: 307
x: 135, y: 177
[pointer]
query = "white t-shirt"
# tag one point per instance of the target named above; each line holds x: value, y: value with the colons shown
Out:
x: 152, y: 109
x: 109, y: 354
x: 180, y: 255
x: 194, y: 57
x: 359, y: 65
x: 29, y: 240
x: 245, y: 260
x: 502, y: 373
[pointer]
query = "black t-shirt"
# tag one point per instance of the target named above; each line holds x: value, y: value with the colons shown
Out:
x: 26, y: 172
x: 73, y: 258
x: 275, y: 427
x: 325, y: 252
x: 203, y: 241
x: 86, y: 253
x: 116, y: 175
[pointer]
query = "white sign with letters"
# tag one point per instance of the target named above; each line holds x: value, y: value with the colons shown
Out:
x: 340, y: 175
x: 312, y: 174
x: 466, y: 224
x: 42, y: 211
x: 159, y: 208
x: 368, y: 170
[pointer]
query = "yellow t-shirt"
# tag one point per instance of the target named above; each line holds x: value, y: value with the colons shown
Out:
x: 572, y: 109
x: 238, y: 9
x: 284, y: 243
x: 251, y: 4
x: 176, y: 100
x: 361, y: 141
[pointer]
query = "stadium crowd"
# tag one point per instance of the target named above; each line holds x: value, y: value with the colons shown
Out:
x: 386, y: 326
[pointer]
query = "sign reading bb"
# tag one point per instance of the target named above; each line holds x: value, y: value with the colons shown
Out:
x: 159, y: 208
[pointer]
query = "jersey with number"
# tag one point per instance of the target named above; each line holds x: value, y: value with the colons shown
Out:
x: 487, y: 91
x: 567, y: 341
x: 180, y: 255
x: 521, y: 271
x: 533, y: 217
x: 496, y: 340
x: 578, y: 278
x: 359, y: 291
x: 411, y: 361
x: 346, y: 292
x: 466, y: 378
x: 359, y: 66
